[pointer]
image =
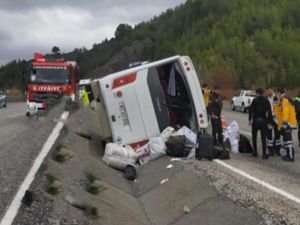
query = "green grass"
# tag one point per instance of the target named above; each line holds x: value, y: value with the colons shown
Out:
x: 94, y: 211
x: 91, y: 177
x: 93, y: 190
x: 53, y: 190
x: 60, y: 158
x: 51, y: 178
x: 60, y: 146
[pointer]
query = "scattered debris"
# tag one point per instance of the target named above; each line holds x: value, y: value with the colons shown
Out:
x: 186, y: 209
x: 192, y: 154
x: 169, y: 166
x: 176, y: 159
x: 164, y: 181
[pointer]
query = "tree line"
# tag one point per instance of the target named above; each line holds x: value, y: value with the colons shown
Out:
x: 241, y: 43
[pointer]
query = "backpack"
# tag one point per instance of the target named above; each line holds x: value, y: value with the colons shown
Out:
x: 245, y: 145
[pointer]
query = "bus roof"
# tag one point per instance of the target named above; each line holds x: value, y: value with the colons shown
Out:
x: 141, y: 67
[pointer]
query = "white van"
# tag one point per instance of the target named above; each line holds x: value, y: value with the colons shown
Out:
x: 139, y: 103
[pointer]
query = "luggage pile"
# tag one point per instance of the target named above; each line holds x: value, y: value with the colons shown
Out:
x: 180, y: 143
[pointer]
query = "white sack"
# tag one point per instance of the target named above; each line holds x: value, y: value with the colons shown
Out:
x: 167, y: 133
x: 235, y: 146
x: 154, y: 149
x: 233, y: 134
x: 118, y: 156
x: 190, y: 136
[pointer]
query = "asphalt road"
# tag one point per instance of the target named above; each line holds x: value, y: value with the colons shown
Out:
x: 21, y: 139
x: 275, y: 171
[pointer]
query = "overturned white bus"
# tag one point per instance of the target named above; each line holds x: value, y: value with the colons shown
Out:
x: 139, y: 103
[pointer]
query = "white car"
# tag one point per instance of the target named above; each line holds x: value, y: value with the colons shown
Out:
x: 242, y: 100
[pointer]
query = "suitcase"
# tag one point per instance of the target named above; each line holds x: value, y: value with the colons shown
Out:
x: 205, y: 147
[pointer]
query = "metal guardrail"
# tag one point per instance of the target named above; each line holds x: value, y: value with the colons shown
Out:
x: 13, y: 99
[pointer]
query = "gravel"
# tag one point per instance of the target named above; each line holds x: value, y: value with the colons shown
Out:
x: 21, y: 143
x: 274, y: 209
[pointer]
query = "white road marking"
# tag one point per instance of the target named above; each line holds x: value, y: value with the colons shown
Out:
x: 16, y: 203
x: 260, y: 182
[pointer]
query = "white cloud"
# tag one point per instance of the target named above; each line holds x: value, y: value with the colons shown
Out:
x: 28, y: 26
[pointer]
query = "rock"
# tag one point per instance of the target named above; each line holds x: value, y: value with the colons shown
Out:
x: 70, y: 199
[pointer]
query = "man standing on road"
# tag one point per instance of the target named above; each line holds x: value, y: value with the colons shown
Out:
x: 260, y: 114
x: 273, y: 135
x: 215, y: 108
x: 297, y: 108
x: 286, y: 122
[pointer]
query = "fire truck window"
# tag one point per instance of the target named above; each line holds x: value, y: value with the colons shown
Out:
x: 50, y: 75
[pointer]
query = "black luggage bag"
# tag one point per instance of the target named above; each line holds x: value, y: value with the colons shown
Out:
x: 245, y: 145
x: 176, y: 146
x: 205, y: 147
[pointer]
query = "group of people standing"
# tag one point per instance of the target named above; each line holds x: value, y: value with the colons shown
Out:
x: 275, y: 116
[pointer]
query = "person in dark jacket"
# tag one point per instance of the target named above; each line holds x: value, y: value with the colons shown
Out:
x: 214, y: 109
x: 260, y: 115
x: 297, y: 108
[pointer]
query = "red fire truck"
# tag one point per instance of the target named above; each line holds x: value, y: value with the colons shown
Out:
x: 50, y: 79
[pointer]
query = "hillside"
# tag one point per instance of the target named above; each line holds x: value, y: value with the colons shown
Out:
x: 243, y: 42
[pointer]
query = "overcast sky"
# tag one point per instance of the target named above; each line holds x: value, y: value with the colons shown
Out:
x: 28, y: 26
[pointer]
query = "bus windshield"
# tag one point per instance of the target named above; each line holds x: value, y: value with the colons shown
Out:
x: 49, y: 75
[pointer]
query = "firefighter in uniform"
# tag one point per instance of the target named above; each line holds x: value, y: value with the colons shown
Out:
x: 215, y: 108
x: 286, y: 122
x: 273, y: 135
x: 260, y: 115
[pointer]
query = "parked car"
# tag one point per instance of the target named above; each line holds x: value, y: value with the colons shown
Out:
x: 242, y: 100
x: 3, y: 99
